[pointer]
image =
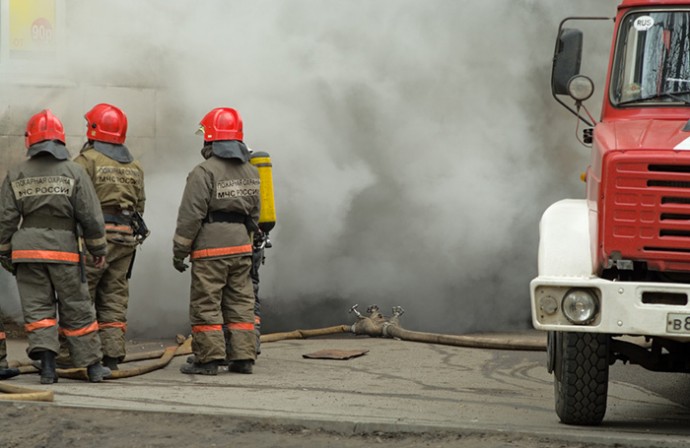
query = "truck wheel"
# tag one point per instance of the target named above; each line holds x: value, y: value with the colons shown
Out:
x: 581, y: 377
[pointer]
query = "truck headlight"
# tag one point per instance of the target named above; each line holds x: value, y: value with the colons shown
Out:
x: 580, y: 306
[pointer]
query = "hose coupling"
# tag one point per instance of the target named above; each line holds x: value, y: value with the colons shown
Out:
x: 384, y: 329
x: 354, y: 310
x: 398, y: 311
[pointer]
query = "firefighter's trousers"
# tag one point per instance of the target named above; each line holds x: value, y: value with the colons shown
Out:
x: 109, y: 289
x: 222, y: 293
x: 42, y: 286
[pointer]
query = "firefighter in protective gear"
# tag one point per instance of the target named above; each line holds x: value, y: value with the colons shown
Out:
x: 44, y: 201
x: 217, y: 218
x: 119, y: 183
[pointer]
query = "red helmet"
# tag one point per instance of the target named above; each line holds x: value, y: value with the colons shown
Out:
x: 106, y: 123
x: 222, y: 123
x: 43, y: 126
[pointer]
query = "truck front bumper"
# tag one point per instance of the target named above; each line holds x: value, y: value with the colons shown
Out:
x: 624, y: 308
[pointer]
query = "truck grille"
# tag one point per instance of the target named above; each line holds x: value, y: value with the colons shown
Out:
x: 645, y: 208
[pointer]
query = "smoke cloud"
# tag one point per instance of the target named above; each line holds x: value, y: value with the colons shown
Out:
x: 415, y: 144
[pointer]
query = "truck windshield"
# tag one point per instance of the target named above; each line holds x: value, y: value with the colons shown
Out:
x: 652, y: 63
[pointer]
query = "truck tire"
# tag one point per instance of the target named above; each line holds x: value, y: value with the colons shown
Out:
x: 581, y: 377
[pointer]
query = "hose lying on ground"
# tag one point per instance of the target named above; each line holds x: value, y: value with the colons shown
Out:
x: 374, y: 325
x: 303, y: 334
x: 168, y: 354
x: 16, y: 393
x: 164, y: 357
x: 514, y: 342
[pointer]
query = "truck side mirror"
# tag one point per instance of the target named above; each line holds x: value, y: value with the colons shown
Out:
x: 566, y: 60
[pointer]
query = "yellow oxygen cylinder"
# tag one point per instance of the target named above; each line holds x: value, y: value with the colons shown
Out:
x: 267, y: 218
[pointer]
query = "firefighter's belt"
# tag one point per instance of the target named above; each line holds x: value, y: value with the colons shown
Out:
x: 48, y: 222
x: 239, y: 218
x: 116, y: 215
x: 117, y: 219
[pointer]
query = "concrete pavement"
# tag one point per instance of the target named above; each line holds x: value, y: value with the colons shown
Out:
x: 397, y: 386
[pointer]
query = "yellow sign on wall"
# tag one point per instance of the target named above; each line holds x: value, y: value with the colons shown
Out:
x: 32, y: 27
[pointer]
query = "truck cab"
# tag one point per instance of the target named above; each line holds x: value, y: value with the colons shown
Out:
x: 613, y: 279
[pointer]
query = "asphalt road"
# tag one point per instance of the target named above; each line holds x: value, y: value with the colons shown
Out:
x: 435, y: 394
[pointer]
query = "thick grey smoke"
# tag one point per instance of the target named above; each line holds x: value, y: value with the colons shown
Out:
x: 415, y: 144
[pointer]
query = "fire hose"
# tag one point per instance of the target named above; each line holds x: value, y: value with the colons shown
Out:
x: 9, y: 392
x: 375, y: 324
x: 163, y: 358
x: 14, y: 393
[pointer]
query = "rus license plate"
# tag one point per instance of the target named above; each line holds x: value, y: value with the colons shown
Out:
x: 678, y: 323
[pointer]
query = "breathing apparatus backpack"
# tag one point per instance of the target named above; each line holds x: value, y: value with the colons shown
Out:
x: 267, y: 217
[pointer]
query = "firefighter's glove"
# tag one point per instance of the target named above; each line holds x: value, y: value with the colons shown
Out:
x: 179, y: 264
x: 6, y: 263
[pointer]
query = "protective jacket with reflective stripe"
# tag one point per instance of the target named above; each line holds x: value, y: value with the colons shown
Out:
x: 49, y: 195
x: 217, y: 185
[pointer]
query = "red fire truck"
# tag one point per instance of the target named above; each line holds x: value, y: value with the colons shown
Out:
x: 614, y: 268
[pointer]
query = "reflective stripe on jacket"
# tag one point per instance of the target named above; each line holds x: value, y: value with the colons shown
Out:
x: 216, y: 252
x: 49, y: 256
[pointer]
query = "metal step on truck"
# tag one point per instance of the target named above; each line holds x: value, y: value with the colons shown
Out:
x: 613, y: 278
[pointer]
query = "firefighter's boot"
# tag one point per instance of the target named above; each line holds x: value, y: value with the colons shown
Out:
x: 97, y: 373
x: 191, y: 359
x: 48, y: 373
x: 241, y: 366
x: 6, y: 373
x: 200, y: 368
x: 110, y: 363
